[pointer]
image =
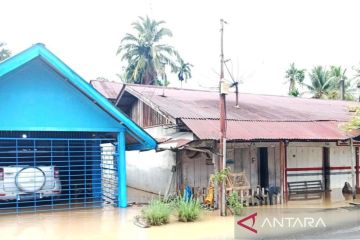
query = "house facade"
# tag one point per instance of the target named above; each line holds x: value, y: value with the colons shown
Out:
x: 273, y: 140
x: 54, y: 133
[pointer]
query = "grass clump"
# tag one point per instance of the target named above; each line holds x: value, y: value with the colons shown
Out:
x: 234, y: 204
x: 157, y: 212
x: 188, y: 211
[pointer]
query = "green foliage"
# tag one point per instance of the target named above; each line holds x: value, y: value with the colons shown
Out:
x: 146, y: 55
x: 338, y: 74
x: 354, y: 123
x: 188, y: 211
x: 320, y: 82
x: 4, y: 52
x: 295, y: 76
x: 221, y: 175
x: 325, y: 84
x: 157, y: 212
x: 184, y: 71
x: 295, y: 92
x: 234, y: 204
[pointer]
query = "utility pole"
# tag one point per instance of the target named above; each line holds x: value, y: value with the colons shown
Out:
x: 342, y: 88
x: 222, y: 146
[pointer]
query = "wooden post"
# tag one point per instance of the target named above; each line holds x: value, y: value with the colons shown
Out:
x: 357, y: 168
x: 216, y: 187
x: 283, y: 177
x: 353, y: 167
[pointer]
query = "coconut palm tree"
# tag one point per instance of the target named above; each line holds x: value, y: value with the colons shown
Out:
x: 184, y: 71
x: 295, y: 76
x: 4, y: 52
x: 338, y: 75
x: 321, y: 84
x: 146, y: 55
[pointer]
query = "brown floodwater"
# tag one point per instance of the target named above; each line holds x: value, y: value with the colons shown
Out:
x: 113, y: 223
x: 109, y: 223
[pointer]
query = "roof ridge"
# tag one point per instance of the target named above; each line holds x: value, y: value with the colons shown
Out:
x: 245, y: 120
x: 215, y: 91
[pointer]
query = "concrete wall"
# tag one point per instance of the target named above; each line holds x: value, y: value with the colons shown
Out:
x: 340, y: 157
x: 151, y: 171
x: 305, y: 162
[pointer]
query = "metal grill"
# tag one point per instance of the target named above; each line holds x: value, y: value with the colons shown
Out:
x: 51, y: 174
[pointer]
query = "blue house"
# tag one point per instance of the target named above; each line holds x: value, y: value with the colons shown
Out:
x: 53, y: 121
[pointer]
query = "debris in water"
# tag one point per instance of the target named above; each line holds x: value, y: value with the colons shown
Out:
x: 141, y: 222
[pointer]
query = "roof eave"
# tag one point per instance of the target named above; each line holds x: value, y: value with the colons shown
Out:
x: 39, y: 50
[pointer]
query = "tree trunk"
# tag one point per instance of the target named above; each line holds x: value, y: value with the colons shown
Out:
x: 149, y: 78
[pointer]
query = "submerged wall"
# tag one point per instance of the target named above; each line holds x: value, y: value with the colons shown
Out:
x: 305, y: 162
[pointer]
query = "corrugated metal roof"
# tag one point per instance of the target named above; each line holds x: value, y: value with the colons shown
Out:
x: 258, y: 117
x: 248, y: 130
x: 108, y: 89
x: 185, y: 103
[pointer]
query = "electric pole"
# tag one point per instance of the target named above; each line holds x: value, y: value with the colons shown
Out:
x: 222, y: 145
x: 342, y: 88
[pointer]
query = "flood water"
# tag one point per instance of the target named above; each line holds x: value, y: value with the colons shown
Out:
x: 113, y: 223
x: 108, y: 223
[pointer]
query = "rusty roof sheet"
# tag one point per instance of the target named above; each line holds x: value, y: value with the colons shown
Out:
x: 258, y: 117
x: 249, y: 130
x: 197, y: 104
x: 108, y: 89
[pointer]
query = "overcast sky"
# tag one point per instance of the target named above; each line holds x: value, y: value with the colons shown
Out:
x: 261, y: 39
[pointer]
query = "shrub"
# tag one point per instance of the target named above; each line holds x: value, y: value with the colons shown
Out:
x: 188, y: 211
x: 157, y: 212
x: 221, y: 175
x: 234, y: 204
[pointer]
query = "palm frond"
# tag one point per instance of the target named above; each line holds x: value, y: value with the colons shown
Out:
x: 146, y: 54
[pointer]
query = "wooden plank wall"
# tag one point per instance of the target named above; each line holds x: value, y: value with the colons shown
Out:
x: 195, y: 171
x: 145, y: 116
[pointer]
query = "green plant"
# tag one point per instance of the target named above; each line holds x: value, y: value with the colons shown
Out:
x: 295, y: 76
x: 221, y: 175
x: 188, y: 211
x: 234, y: 204
x: 147, y: 56
x: 157, y: 212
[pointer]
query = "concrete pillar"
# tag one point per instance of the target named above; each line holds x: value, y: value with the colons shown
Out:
x: 121, y: 164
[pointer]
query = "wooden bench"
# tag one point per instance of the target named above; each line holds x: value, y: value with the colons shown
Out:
x: 305, y: 190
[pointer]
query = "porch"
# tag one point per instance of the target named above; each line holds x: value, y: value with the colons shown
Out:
x: 273, y: 165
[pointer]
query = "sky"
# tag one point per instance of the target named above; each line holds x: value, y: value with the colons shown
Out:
x: 261, y: 39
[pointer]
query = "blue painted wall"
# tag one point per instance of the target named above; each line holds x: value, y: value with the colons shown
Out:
x: 35, y: 97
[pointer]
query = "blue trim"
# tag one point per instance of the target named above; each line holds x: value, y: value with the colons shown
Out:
x: 54, y: 129
x: 40, y: 50
x: 136, y: 146
x: 122, y: 194
x: 96, y: 172
x: 62, y: 139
